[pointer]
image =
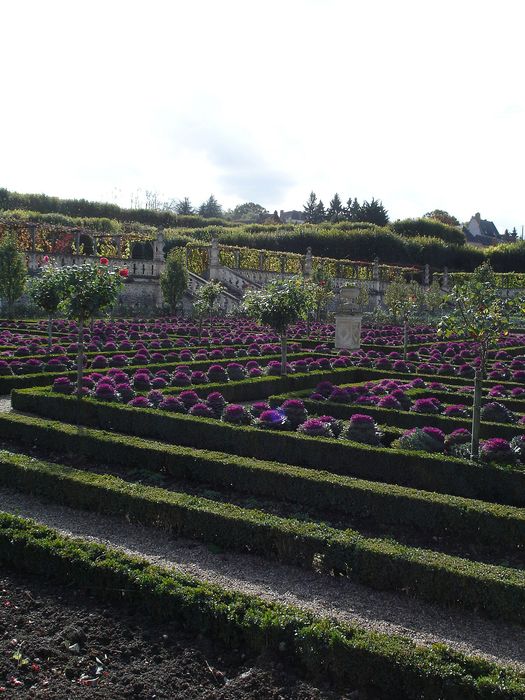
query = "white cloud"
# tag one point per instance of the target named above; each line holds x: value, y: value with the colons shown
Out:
x: 419, y: 104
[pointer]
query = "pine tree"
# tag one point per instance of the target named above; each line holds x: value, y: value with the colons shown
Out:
x: 374, y: 212
x: 211, y: 208
x: 320, y: 213
x: 310, y: 208
x: 514, y: 234
x: 347, y: 208
x: 184, y: 207
x: 335, y: 209
x: 355, y: 211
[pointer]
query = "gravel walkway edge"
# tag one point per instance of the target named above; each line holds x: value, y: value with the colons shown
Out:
x: 336, y: 598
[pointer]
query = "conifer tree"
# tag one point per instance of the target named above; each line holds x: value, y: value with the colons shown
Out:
x: 310, y: 209
x: 335, y: 210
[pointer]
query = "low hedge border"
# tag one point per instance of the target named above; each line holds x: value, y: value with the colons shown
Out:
x: 475, y: 521
x: 495, y: 591
x: 349, y: 656
x: 403, y: 467
x: 24, y: 381
x: 402, y: 419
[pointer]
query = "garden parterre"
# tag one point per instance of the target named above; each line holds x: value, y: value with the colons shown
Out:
x: 317, y: 478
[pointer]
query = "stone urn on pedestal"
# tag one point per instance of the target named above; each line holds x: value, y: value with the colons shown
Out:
x: 348, y: 320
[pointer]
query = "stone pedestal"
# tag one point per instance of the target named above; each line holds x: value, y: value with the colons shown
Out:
x: 348, y: 331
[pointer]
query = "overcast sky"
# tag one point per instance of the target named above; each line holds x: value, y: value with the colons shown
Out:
x: 419, y: 104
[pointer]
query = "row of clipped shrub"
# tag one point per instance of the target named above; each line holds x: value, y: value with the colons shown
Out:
x: 495, y: 591
x: 472, y: 520
x: 431, y: 472
x: 348, y: 656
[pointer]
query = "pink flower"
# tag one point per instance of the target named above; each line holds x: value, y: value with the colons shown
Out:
x: 104, y: 261
x: 124, y: 272
x: 46, y: 258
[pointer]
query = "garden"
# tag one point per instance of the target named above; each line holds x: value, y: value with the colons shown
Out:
x: 232, y: 507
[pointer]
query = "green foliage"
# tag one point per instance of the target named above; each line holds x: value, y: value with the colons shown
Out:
x: 249, y: 212
x: 443, y: 216
x: 184, y: 206
x: 335, y: 211
x: 472, y: 520
x: 174, y: 279
x: 47, y: 289
x: 210, y: 208
x: 13, y: 271
x: 207, y: 298
x: 477, y: 311
x: 347, y: 656
x: 88, y: 289
x: 279, y: 305
x: 431, y: 228
x: 427, y: 472
x: 404, y: 300
x: 84, y: 208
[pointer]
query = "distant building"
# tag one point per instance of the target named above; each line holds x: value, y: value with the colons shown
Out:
x: 480, y: 230
x: 292, y: 217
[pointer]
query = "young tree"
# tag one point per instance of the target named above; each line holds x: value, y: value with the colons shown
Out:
x: 335, y: 211
x: 85, y: 291
x: 13, y: 271
x: 211, y: 208
x: 279, y: 305
x: 207, y: 301
x: 321, y: 292
x: 46, y: 292
x: 404, y: 300
x: 174, y: 279
x: 477, y: 312
x: 184, y: 207
x: 310, y: 209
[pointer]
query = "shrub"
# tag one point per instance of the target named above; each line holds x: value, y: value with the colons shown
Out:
x: 362, y: 428
x: 236, y: 414
x: 63, y: 385
x: 497, y: 413
x: 427, y: 439
x: 216, y: 402
x: 295, y: 411
x: 314, y: 427
x: 173, y: 404
x: 427, y: 405
x: 497, y: 450
x: 201, y: 410
x: 273, y: 420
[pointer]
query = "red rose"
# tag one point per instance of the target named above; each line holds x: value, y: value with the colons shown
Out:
x: 124, y: 272
x: 104, y: 261
x: 46, y: 258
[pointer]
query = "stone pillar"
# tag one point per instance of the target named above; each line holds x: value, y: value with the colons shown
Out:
x: 348, y: 320
x: 77, y: 241
x: 308, y: 263
x: 32, y: 233
x: 375, y: 270
x: 158, y: 246
x: 214, y: 258
x: 95, y: 245
x: 445, y: 281
x: 426, y: 276
x: 261, y: 261
x: 118, y: 241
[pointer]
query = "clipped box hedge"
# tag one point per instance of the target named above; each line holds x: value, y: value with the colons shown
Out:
x: 495, y: 591
x: 430, y: 472
x: 470, y: 520
x: 393, y: 667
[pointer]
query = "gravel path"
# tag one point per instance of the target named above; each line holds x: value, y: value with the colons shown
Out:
x: 332, y: 597
x: 5, y: 404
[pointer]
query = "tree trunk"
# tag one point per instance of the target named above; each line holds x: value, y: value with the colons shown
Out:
x: 476, y: 413
x: 80, y: 356
x: 49, y: 334
x: 405, y: 339
x: 283, y: 355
